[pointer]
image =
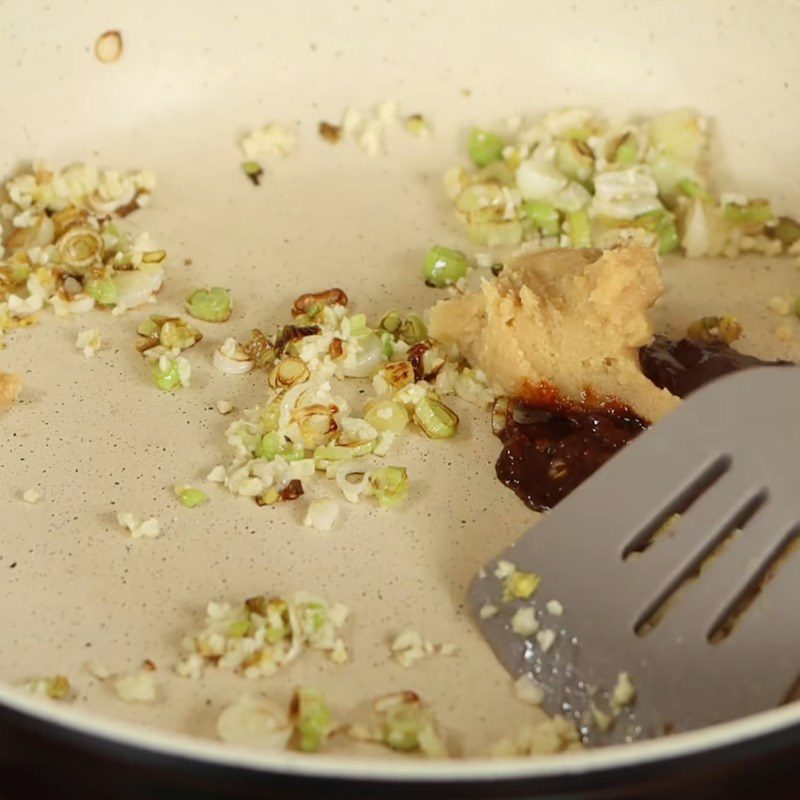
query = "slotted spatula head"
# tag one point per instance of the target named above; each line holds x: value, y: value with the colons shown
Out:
x: 727, y: 462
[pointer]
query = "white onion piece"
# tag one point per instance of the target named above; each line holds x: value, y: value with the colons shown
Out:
x: 22, y: 307
x: 136, y: 286
x: 696, y: 238
x: 351, y: 491
x: 79, y: 304
x: 255, y: 721
x: 625, y: 194
x: 237, y: 364
x: 572, y: 197
x: 539, y: 180
x: 367, y: 359
x: 105, y: 206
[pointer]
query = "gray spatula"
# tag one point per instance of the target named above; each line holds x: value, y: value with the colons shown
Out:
x: 729, y: 460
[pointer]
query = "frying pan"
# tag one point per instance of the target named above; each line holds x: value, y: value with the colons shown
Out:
x: 96, y: 437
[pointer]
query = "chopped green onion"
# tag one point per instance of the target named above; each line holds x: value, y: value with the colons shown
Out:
x: 417, y: 126
x: 191, y: 498
x: 387, y: 415
x: 627, y: 151
x: 756, y: 211
x: 167, y: 377
x: 692, y: 189
x: 103, y: 290
x: 313, y: 719
x: 270, y: 416
x: 484, y: 147
x: 435, y: 418
x: 521, y: 585
x: 580, y: 134
x: 544, y: 216
x: 403, y: 725
x: 274, y: 444
x: 662, y: 223
x: 668, y: 239
x: 580, y: 233
x: 786, y: 230
x: 358, y: 325
x: 387, y: 342
x: 391, y: 322
x: 443, y: 266
x: 343, y: 452
x: 210, y: 305
x: 413, y: 330
x: 253, y: 170
x: 390, y: 485
x: 238, y: 629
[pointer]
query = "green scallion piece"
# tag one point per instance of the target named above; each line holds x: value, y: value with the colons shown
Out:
x: 544, y: 216
x: 168, y: 377
x: 210, y: 305
x: 313, y: 719
x: 391, y: 322
x: 484, y: 147
x: 668, y: 239
x: 435, y: 418
x: 692, y: 189
x: 191, y: 498
x: 443, y: 266
x: 580, y: 233
x: 413, y: 330
x: 390, y: 485
x: 627, y: 151
x: 103, y: 290
x: 253, y: 170
x: 756, y: 211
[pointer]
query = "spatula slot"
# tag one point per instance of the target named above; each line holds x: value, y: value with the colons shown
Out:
x: 693, y: 569
x: 662, y: 521
x: 758, y: 581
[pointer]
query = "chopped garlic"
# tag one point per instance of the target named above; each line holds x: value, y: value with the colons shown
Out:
x: 504, y: 569
x: 31, y: 496
x: 528, y: 691
x: 256, y: 722
x: 10, y: 387
x: 601, y: 719
x: 274, y: 139
x: 89, y: 342
x: 136, y: 687
x: 339, y: 654
x: 321, y: 514
x: 550, y: 736
x: 98, y: 670
x: 409, y: 647
x: 404, y: 723
x: 781, y: 305
x: 257, y: 637
x: 554, y: 607
x: 139, y: 529
x: 56, y: 687
x: 524, y: 622
x: 487, y: 611
x: 217, y: 474
x: 224, y: 407
x: 545, y: 639
x: 624, y: 693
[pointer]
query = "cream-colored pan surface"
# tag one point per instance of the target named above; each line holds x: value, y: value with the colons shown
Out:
x: 96, y: 437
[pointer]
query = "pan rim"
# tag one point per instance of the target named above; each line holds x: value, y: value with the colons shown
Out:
x: 218, y: 754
